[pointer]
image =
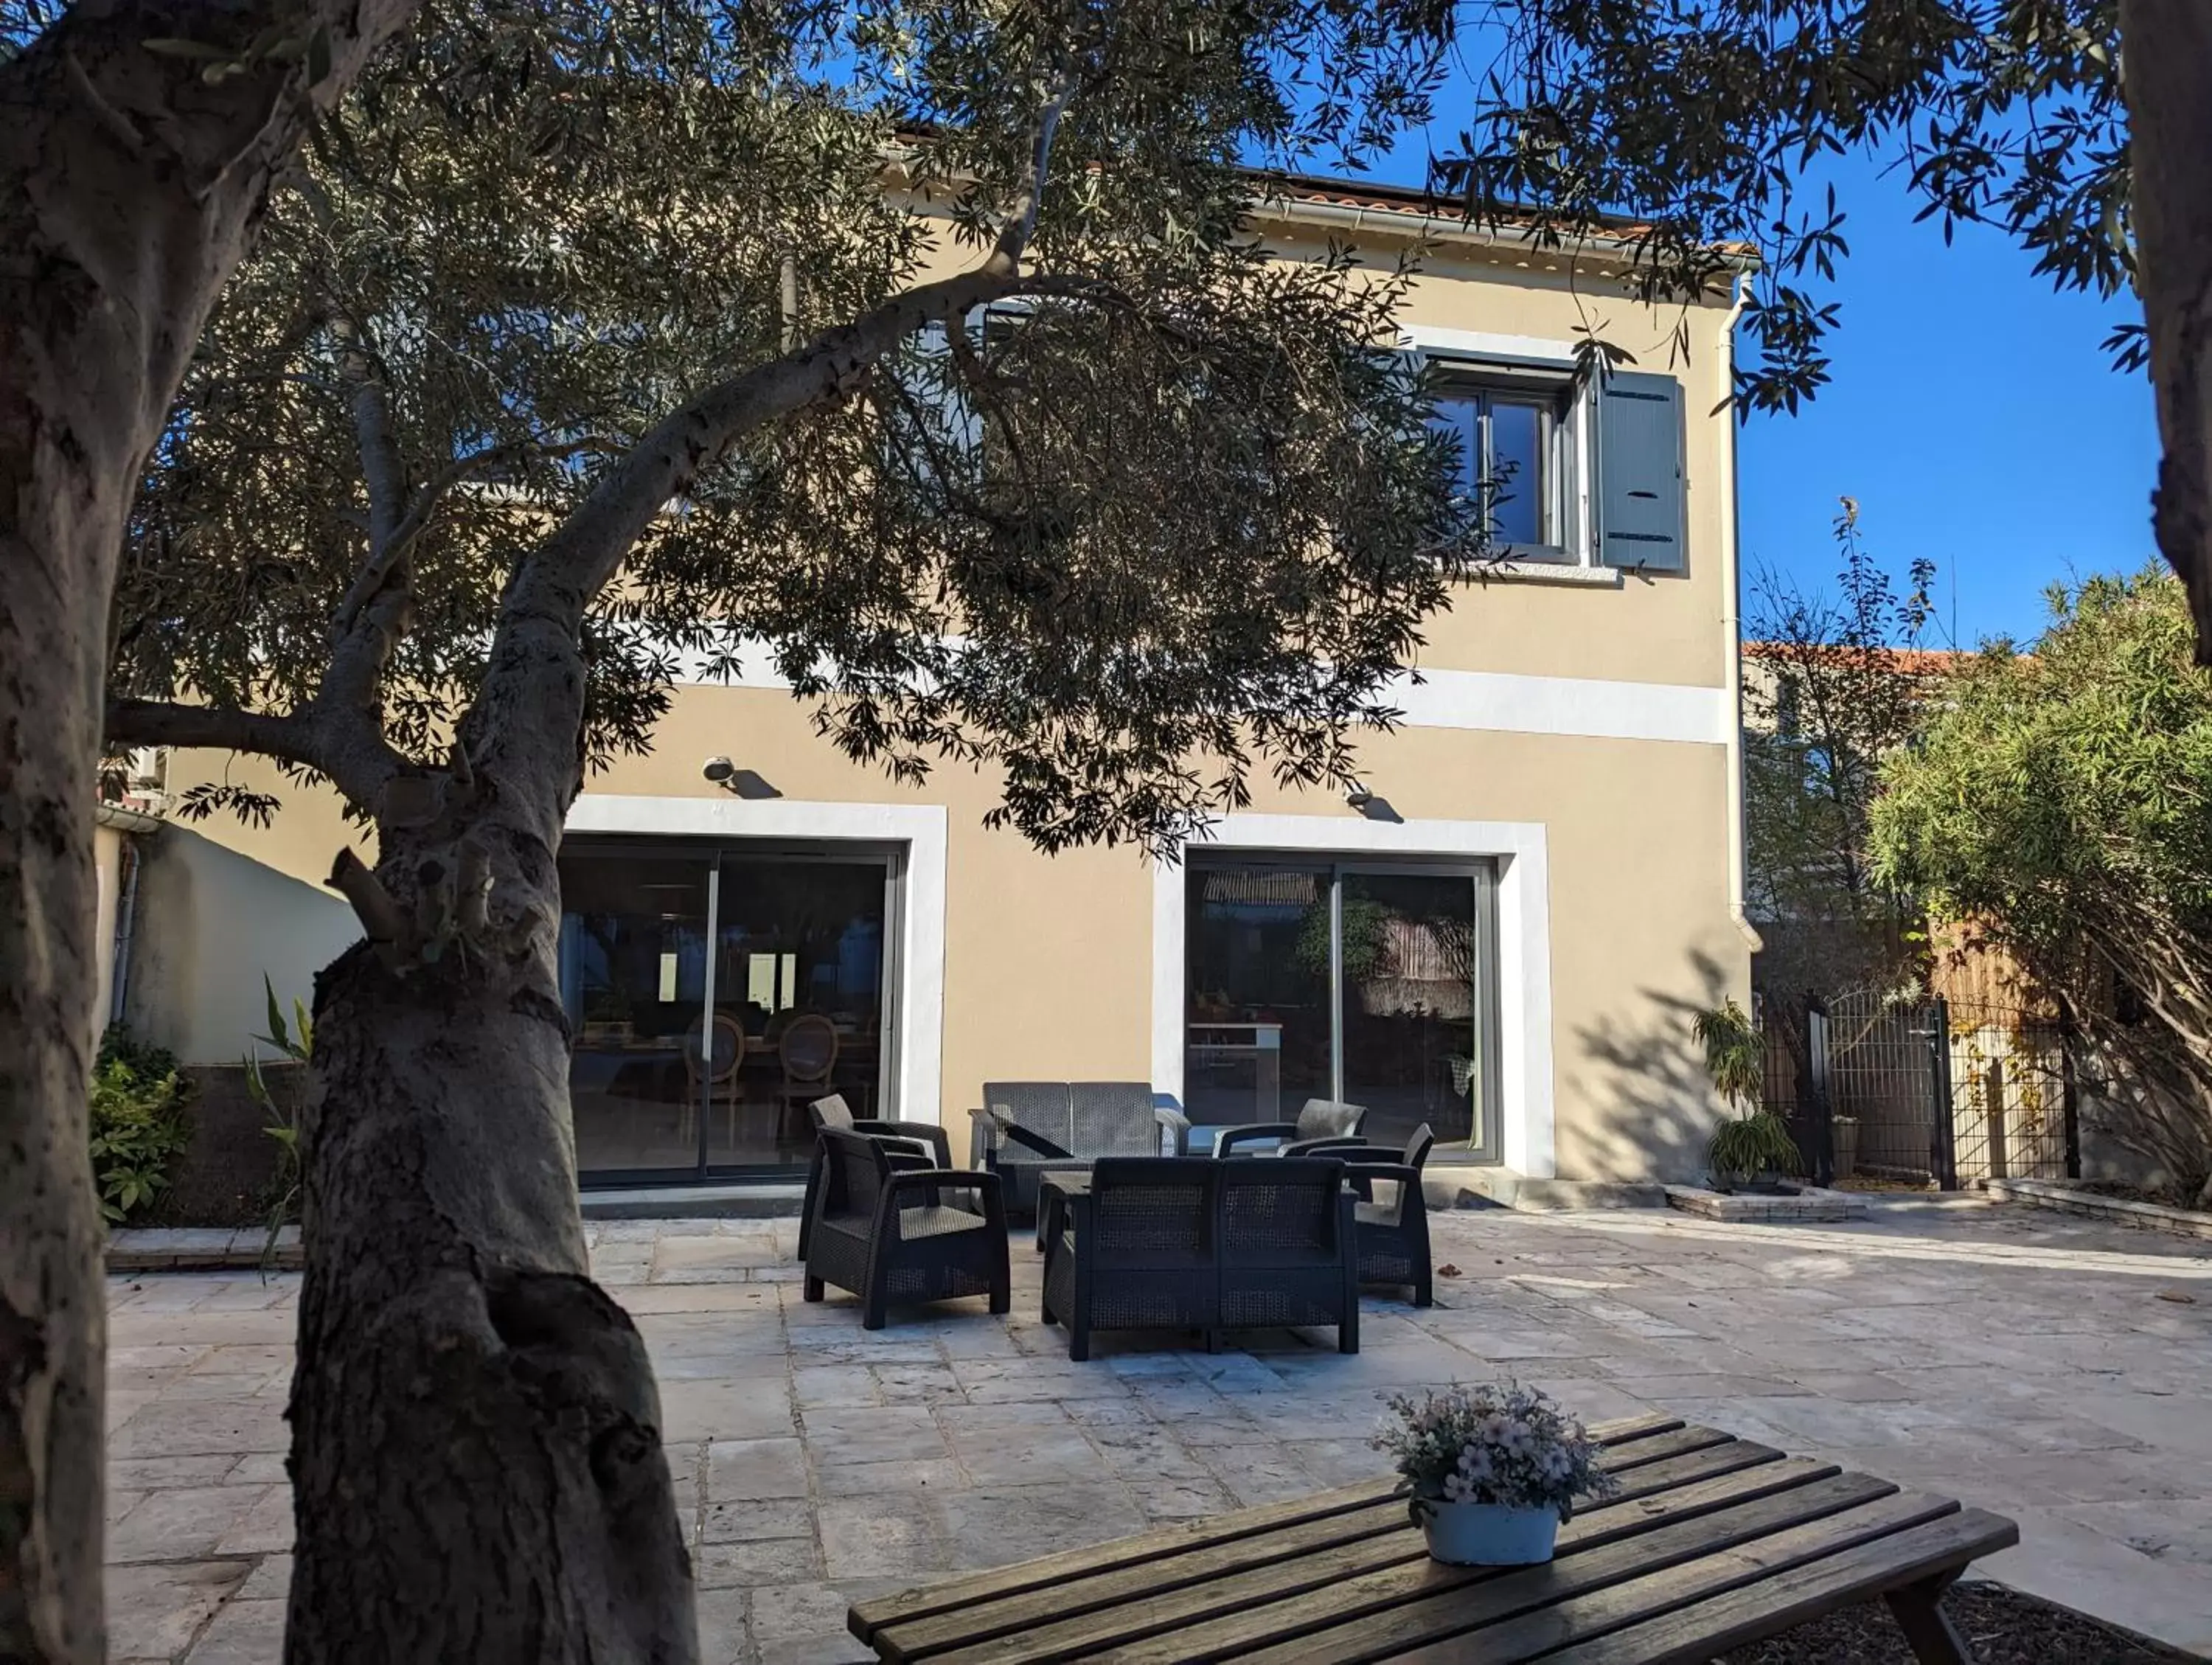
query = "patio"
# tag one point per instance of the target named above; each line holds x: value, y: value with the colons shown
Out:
x: 2046, y: 1367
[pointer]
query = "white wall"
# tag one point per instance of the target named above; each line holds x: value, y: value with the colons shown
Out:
x: 209, y: 923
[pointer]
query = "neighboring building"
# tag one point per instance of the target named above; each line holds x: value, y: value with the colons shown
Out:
x: 1818, y: 718
x: 1507, y: 941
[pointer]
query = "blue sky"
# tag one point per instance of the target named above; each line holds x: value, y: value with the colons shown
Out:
x: 1972, y: 414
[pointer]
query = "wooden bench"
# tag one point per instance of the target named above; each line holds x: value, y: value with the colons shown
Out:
x: 1712, y: 1543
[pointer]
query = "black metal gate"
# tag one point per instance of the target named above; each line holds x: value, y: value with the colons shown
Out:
x: 1922, y: 1092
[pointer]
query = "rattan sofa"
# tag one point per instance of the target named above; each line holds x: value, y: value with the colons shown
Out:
x: 1026, y: 1129
x: 884, y: 1232
x: 1187, y: 1242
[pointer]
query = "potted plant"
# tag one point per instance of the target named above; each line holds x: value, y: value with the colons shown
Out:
x: 1754, y: 1146
x: 1493, y: 1470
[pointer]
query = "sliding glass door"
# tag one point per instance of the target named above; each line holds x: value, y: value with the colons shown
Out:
x: 1362, y: 981
x: 633, y: 980
x: 799, y: 964
x: 713, y: 992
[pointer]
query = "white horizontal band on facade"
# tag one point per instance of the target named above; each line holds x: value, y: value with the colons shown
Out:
x: 1577, y: 706
x: 1500, y: 702
x: 919, y: 1034
x: 1524, y: 950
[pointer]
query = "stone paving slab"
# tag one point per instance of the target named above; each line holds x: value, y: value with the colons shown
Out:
x: 2027, y: 1362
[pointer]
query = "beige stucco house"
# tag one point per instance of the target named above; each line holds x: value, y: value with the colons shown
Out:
x: 1506, y: 939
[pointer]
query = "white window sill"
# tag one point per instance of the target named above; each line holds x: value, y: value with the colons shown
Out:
x: 1547, y: 572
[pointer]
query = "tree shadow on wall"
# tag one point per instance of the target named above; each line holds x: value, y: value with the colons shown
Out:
x: 1642, y: 1086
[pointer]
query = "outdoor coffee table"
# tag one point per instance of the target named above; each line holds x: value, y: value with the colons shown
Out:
x: 1713, y: 1543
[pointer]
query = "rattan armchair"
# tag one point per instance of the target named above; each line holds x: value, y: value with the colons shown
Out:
x: 1319, y: 1119
x: 1136, y: 1251
x: 926, y: 1140
x: 1393, y: 1229
x: 1288, y: 1247
x: 881, y: 1231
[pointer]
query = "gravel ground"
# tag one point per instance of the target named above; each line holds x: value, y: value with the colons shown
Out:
x: 2001, y: 1628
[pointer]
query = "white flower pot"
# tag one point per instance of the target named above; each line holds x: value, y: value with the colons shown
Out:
x: 1486, y: 1535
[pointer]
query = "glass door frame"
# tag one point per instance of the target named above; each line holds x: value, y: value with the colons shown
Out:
x: 891, y: 857
x: 855, y: 853
x: 1487, y: 1121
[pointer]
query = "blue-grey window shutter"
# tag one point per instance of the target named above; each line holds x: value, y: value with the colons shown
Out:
x: 1640, y: 517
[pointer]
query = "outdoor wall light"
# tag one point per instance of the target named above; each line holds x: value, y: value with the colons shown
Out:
x: 739, y: 782
x: 1371, y: 804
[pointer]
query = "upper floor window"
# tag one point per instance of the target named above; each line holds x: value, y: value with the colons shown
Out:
x: 1573, y: 470
x: 1516, y: 447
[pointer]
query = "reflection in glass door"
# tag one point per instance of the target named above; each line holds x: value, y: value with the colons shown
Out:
x: 798, y: 967
x: 1408, y: 975
x: 1258, y: 944
x: 713, y: 994
x: 1367, y: 983
x: 633, y: 980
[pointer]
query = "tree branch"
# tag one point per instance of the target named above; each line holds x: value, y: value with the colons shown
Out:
x: 290, y: 739
x: 354, y: 755
x: 401, y: 537
x: 381, y: 470
x: 1021, y: 222
x: 584, y: 552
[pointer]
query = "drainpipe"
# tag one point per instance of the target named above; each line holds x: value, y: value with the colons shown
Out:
x: 133, y: 824
x: 1732, y: 635
x: 126, y: 915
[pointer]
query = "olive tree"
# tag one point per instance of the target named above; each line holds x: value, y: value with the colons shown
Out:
x: 138, y: 142
x: 135, y: 158
x: 929, y: 354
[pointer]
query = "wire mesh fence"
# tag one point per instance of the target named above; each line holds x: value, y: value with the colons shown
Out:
x: 2011, y: 1095
x: 1922, y: 1092
x: 1884, y: 1078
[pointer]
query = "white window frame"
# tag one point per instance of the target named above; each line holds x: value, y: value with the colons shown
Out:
x: 1521, y: 852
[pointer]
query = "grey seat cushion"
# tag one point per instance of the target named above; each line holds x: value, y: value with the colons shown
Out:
x: 918, y: 1222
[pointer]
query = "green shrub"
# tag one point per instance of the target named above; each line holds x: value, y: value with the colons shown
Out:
x: 140, y: 1123
x: 1753, y: 1139
x: 1735, y: 1054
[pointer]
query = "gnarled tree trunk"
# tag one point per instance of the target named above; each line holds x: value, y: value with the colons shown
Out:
x: 477, y: 1461
x: 129, y: 187
x: 2167, y: 74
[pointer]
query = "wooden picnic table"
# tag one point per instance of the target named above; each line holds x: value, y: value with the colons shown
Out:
x: 1713, y: 1542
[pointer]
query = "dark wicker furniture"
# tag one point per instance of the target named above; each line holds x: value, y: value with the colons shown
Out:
x: 1392, y: 1227
x: 1185, y: 1242
x: 1289, y: 1255
x: 1135, y: 1251
x: 1026, y: 1129
x: 884, y: 1232
x: 1319, y: 1119
x: 926, y: 1139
